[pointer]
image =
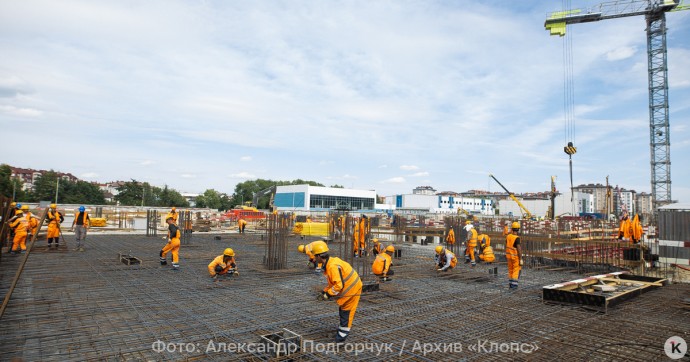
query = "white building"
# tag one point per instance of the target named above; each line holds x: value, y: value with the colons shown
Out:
x: 440, y: 204
x: 583, y: 202
x: 316, y: 198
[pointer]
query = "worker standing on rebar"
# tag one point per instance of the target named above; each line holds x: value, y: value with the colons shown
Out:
x: 33, y: 222
x: 12, y: 213
x: 382, y: 264
x: 355, y: 241
x: 173, y: 214
x: 471, y: 243
x: 444, y: 259
x: 513, y: 255
x: 636, y: 229
x: 80, y: 225
x: 173, y: 245
x: 343, y: 284
x: 363, y: 226
x: 223, y: 264
x: 55, y: 218
x: 506, y: 229
x: 487, y: 252
x: 625, y: 229
x: 307, y: 249
x: 20, y: 225
x: 241, y: 224
x: 450, y: 238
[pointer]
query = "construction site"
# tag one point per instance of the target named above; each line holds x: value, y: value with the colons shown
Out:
x: 578, y: 299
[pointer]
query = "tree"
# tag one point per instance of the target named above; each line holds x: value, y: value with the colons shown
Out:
x: 336, y: 186
x: 45, y: 188
x: 10, y: 186
x: 212, y: 199
x: 131, y: 193
x: 245, y: 191
x: 82, y: 192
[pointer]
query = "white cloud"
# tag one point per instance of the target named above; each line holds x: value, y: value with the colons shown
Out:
x: 409, y: 167
x: 621, y: 53
x: 245, y: 158
x: 187, y: 175
x: 420, y: 174
x: 89, y: 175
x: 383, y: 166
x: 22, y: 112
x: 147, y: 162
x: 243, y: 175
x: 394, y: 180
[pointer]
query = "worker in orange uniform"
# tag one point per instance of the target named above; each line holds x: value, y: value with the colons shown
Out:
x: 514, y: 255
x: 241, y: 224
x: 362, y: 233
x: 506, y: 229
x: 173, y: 245
x: 55, y: 218
x: 382, y: 264
x: 445, y: 259
x: 450, y: 238
x: 487, y: 252
x: 471, y: 243
x: 307, y: 249
x: 636, y: 229
x: 343, y: 284
x: 173, y: 214
x: 223, y: 264
x: 377, y: 248
x: 12, y: 213
x: 33, y: 222
x: 20, y: 225
x: 81, y: 222
x: 625, y: 229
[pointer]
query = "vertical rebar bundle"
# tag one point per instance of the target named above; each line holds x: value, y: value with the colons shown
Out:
x: 151, y: 222
x: 277, y: 230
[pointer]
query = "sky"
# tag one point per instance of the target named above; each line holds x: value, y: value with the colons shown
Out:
x: 375, y: 95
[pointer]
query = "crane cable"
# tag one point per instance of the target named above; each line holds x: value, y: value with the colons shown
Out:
x: 569, y: 99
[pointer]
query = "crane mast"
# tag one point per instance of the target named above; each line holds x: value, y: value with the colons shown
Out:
x: 655, y: 15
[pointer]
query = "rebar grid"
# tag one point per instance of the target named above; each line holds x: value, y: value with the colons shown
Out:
x: 76, y: 306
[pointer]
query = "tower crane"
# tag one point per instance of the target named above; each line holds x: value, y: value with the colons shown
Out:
x: 525, y: 213
x: 654, y: 12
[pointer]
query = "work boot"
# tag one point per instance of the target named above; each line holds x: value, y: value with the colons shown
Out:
x: 164, y: 262
x: 176, y: 266
x: 81, y: 249
x: 341, y: 335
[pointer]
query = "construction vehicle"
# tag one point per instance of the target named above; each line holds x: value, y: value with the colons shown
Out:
x: 270, y: 190
x: 526, y: 214
x: 654, y: 12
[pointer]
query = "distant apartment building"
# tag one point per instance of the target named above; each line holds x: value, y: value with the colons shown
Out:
x: 29, y: 176
x: 599, y: 200
x: 424, y: 190
x: 643, y: 204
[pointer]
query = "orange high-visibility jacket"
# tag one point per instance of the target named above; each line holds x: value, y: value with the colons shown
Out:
x: 447, y: 259
x: 218, y: 261
x: 626, y: 228
x: 487, y: 254
x: 86, y: 220
x: 472, y: 238
x: 636, y: 228
x: 511, y: 249
x: 20, y: 226
x: 343, y: 280
x: 484, y: 239
x: 381, y: 264
x: 450, y: 239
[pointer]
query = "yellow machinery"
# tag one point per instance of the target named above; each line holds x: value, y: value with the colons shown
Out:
x: 525, y: 213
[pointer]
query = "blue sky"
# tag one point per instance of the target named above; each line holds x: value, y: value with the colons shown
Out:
x: 384, y: 95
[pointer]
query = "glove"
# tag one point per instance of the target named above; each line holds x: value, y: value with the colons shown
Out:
x: 323, y: 296
x: 385, y: 279
x: 214, y: 277
x: 521, y: 262
x: 439, y: 269
x: 236, y: 273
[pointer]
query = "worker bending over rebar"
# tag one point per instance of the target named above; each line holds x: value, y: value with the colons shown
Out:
x: 343, y: 284
x: 382, y: 264
x: 445, y: 259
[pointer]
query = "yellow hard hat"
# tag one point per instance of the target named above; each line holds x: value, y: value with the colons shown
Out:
x: 53, y: 206
x: 516, y: 225
x: 13, y: 204
x: 468, y: 222
x: 229, y: 252
x: 319, y: 247
x: 173, y: 208
x: 439, y: 249
x: 375, y: 241
x: 390, y: 248
x: 300, y: 248
x: 18, y: 212
x: 25, y: 207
